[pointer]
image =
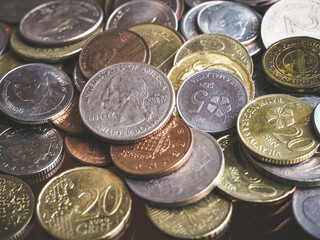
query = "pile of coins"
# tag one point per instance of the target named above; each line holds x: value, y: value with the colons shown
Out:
x: 98, y: 97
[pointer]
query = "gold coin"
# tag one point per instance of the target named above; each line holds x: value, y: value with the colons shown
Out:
x: 45, y: 54
x: 16, y: 207
x: 9, y: 61
x: 208, y: 217
x: 277, y: 128
x: 242, y: 182
x: 216, y: 43
x: 293, y: 64
x: 198, y: 61
x: 84, y: 203
x: 163, y: 42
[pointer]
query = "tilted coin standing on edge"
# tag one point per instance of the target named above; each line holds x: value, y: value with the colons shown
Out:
x: 210, y: 100
x: 127, y: 102
x: 3, y: 39
x: 17, y: 206
x: 306, y: 210
x: 63, y: 210
x: 78, y: 79
x: 35, y: 93
x: 316, y: 120
x: 30, y: 151
x: 193, y: 181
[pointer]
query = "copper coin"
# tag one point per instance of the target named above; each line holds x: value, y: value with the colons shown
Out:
x: 88, y: 150
x: 70, y: 121
x: 157, y: 156
x: 111, y: 47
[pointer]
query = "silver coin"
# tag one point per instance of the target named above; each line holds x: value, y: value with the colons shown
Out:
x: 306, y: 210
x: 137, y: 12
x: 3, y: 39
x: 210, y: 100
x: 35, y: 93
x: 304, y: 174
x: 126, y: 102
x: 194, y: 3
x: 193, y: 181
x: 30, y: 151
x: 61, y: 22
x: 232, y: 19
x: 316, y: 120
x: 78, y: 79
x: 289, y: 18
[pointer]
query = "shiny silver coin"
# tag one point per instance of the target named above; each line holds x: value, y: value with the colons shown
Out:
x: 78, y: 79
x: 232, y: 19
x: 316, y: 120
x: 193, y: 3
x: 35, y: 93
x: 30, y: 151
x: 210, y: 100
x: 306, y: 210
x: 193, y: 181
x: 290, y: 18
x: 137, y: 12
x: 61, y: 22
x: 127, y: 102
x: 3, y: 39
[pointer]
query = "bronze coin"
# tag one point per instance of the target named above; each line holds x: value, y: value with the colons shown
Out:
x: 70, y: 121
x: 157, y: 156
x: 111, y: 47
x: 88, y: 150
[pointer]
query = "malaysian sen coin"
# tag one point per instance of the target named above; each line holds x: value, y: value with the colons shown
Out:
x: 127, y: 102
x: 63, y: 210
x: 312, y: 100
x: 210, y: 100
x: 9, y: 61
x: 193, y: 181
x: 277, y: 129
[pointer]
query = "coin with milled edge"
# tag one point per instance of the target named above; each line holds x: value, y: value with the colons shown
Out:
x: 316, y: 120
x: 193, y: 181
x: 127, y: 102
x: 30, y: 151
x: 242, y: 182
x: 63, y: 210
x: 207, y: 218
x: 3, y: 39
x: 35, y: 93
x: 138, y: 12
x: 306, y: 210
x: 17, y: 207
x: 210, y: 100
x: 277, y: 128
x: 60, y: 22
x: 78, y: 79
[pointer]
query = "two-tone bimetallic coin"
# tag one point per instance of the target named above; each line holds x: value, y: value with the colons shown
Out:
x: 193, y: 181
x: 210, y: 100
x: 17, y: 207
x: 30, y: 151
x: 35, y: 93
x: 78, y: 79
x: 3, y: 39
x: 306, y: 210
x: 316, y: 120
x: 60, y: 22
x: 127, y: 102
x: 84, y: 203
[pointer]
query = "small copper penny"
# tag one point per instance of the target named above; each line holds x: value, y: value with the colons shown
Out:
x: 70, y: 121
x: 157, y: 156
x: 88, y: 150
x: 111, y: 47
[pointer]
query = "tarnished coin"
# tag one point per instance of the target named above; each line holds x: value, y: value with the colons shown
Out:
x: 3, y: 39
x: 293, y: 64
x: 88, y: 150
x: 35, y: 93
x: 193, y: 181
x: 61, y: 22
x: 63, y: 208
x: 316, y: 120
x: 216, y: 43
x: 9, y: 61
x: 127, y: 102
x: 242, y: 182
x: 17, y: 206
x: 232, y: 19
x: 210, y: 100
x: 277, y: 128
x: 163, y: 42
x: 30, y: 151
x: 78, y: 79
x: 306, y: 210
x: 254, y: 47
x: 289, y: 18
x: 207, y: 218
x: 111, y: 47
x: 158, y: 155
x: 138, y: 12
